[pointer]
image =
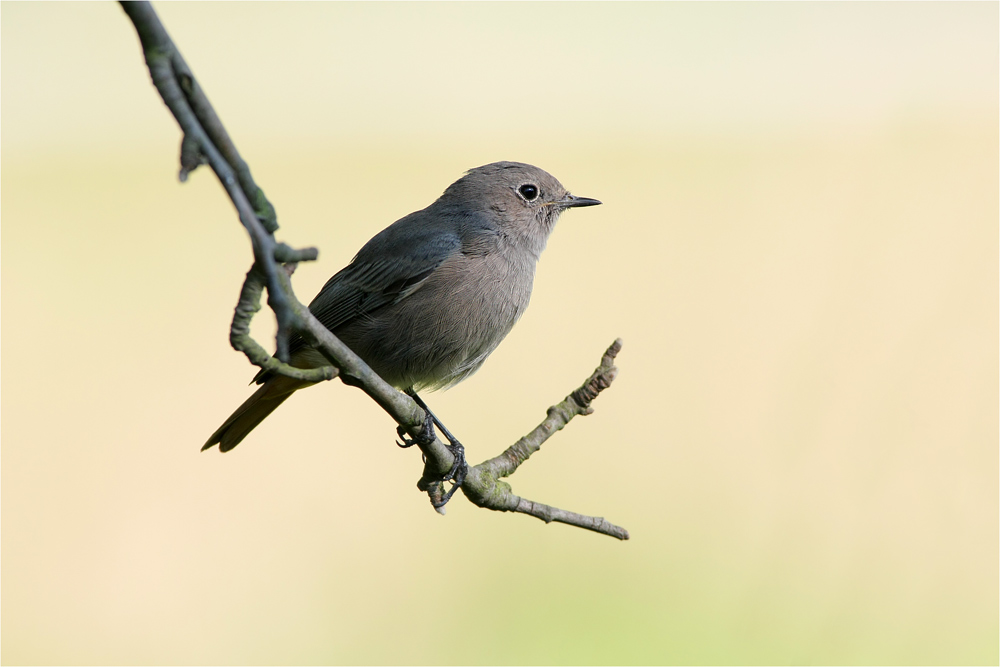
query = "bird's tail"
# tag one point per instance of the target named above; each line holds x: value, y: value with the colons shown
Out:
x: 254, y: 410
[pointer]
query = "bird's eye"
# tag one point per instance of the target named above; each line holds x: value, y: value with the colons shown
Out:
x: 528, y: 191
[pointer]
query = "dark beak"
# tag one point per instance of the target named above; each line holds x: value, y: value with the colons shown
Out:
x: 569, y: 201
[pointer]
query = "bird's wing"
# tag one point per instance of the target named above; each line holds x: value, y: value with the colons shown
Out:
x: 390, y: 267
x: 363, y: 287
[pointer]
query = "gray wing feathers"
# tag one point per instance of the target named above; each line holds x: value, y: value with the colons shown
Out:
x: 388, y: 268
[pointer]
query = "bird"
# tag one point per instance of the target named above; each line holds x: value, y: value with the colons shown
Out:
x: 428, y: 298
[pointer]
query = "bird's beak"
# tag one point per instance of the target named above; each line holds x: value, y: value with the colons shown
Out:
x: 569, y: 201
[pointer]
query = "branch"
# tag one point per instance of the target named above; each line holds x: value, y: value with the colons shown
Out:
x: 205, y: 141
x: 484, y: 488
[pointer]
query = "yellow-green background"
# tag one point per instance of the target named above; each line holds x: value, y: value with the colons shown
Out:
x: 798, y: 244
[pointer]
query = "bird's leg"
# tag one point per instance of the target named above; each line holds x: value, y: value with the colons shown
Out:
x: 459, y: 468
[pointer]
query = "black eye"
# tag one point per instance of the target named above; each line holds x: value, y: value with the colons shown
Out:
x: 528, y: 191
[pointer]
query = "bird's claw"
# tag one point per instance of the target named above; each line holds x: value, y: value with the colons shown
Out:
x: 459, y: 469
x: 426, y: 436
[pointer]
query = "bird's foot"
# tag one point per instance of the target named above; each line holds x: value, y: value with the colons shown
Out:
x: 426, y: 436
x: 459, y: 469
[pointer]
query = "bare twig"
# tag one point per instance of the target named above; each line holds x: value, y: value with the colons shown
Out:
x: 484, y: 488
x: 205, y: 141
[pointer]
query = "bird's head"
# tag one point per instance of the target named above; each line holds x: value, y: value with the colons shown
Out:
x: 522, y: 200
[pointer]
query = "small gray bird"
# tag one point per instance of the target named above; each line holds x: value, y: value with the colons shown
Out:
x: 430, y: 296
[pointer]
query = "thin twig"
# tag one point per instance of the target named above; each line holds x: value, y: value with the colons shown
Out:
x: 484, y: 487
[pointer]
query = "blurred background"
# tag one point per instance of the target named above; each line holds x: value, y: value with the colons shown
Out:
x: 798, y: 244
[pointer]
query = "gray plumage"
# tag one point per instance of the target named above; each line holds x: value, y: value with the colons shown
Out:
x: 428, y: 298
